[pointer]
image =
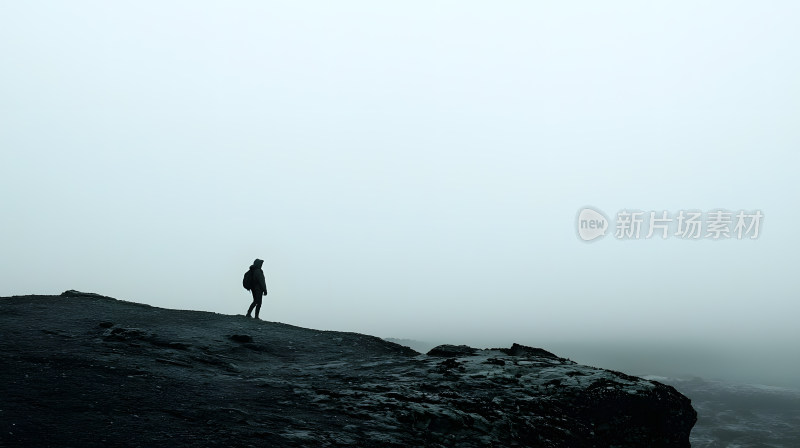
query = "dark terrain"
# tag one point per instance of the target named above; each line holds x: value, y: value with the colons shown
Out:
x: 82, y: 370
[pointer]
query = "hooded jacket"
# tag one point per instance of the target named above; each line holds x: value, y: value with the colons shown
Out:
x: 259, y: 282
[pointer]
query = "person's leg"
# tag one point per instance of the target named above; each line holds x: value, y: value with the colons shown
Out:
x: 256, y: 300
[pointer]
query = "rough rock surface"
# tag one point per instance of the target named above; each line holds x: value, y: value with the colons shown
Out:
x: 83, y: 370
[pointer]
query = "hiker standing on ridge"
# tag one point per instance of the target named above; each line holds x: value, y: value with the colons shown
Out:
x: 255, y: 282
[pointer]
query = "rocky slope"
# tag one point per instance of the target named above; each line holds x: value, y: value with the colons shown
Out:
x: 82, y: 370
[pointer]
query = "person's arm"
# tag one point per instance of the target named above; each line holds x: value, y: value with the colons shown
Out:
x: 263, y: 283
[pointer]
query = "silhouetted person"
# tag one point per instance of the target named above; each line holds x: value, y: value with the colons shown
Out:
x: 258, y: 286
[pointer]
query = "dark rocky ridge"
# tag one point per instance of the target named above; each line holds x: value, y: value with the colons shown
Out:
x: 83, y: 370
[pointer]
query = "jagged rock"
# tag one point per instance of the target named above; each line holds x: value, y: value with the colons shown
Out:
x: 524, y: 350
x: 73, y: 293
x: 448, y: 351
x: 123, y: 385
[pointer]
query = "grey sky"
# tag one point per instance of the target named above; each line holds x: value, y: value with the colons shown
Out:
x: 408, y: 169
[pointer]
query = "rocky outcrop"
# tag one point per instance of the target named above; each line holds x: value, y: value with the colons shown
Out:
x: 87, y: 370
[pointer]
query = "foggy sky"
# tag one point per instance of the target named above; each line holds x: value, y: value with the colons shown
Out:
x: 409, y: 169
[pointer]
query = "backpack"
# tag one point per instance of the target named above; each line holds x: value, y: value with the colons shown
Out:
x: 247, y: 281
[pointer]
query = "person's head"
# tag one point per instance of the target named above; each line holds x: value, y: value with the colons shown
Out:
x: 258, y: 263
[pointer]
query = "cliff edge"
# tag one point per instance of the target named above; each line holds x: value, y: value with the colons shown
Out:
x: 85, y: 370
